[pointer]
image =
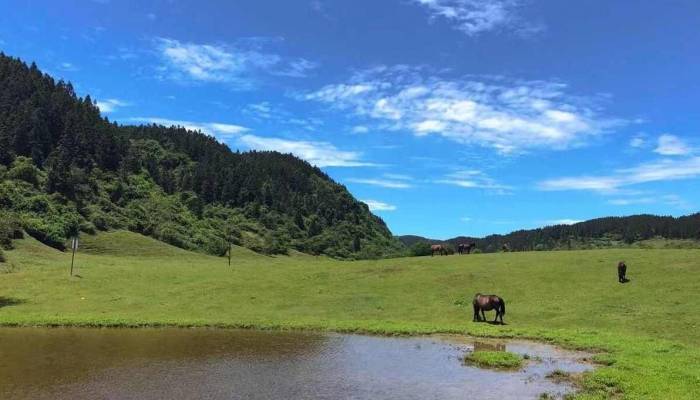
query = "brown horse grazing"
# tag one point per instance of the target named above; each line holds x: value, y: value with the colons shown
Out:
x: 465, y: 248
x: 488, y: 302
x: 438, y: 248
x: 621, y: 272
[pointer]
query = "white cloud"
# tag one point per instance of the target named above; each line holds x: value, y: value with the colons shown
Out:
x: 638, y: 141
x: 375, y: 205
x: 677, y: 201
x: 217, y: 129
x: 474, y: 179
x: 662, y: 170
x: 360, y: 129
x: 632, y: 200
x: 564, y: 221
x: 400, y: 177
x: 66, y: 66
x: 668, y: 199
x: 299, y: 68
x: 276, y: 112
x: 670, y: 145
x: 238, y: 65
x: 261, y: 110
x: 385, y: 183
x: 510, y: 116
x: 474, y: 17
x: 110, y: 105
x: 321, y: 154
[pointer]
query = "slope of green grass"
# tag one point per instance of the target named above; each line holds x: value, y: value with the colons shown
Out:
x: 648, y: 328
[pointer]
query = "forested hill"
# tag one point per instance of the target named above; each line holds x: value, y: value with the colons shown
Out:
x: 600, y: 232
x: 64, y: 168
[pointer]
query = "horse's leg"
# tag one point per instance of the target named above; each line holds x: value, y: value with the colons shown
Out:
x: 483, y: 314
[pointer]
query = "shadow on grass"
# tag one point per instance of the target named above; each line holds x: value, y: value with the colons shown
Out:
x: 9, y: 301
x: 490, y: 322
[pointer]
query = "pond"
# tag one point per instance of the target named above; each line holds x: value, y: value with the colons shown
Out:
x: 80, y: 363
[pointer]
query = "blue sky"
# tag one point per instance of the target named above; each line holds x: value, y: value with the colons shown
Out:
x: 448, y: 117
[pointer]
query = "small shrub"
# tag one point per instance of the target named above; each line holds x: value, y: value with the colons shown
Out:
x: 420, y: 249
x: 558, y: 375
x: 23, y: 169
x: 10, y: 228
x: 494, y: 359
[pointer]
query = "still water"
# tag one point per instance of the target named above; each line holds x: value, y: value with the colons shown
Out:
x: 78, y: 363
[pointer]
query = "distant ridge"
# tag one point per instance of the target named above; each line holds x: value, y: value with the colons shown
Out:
x: 597, y: 232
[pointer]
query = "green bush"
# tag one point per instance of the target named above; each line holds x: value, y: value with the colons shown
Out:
x: 23, y: 169
x: 10, y: 228
x: 420, y: 249
x: 54, y: 229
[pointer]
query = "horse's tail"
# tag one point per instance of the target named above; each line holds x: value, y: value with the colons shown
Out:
x: 503, y: 307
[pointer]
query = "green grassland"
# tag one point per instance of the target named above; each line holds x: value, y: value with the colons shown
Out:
x: 646, y: 333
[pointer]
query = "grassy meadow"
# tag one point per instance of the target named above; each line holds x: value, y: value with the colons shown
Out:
x: 646, y: 333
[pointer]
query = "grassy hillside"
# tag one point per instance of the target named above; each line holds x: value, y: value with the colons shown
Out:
x: 648, y: 327
x: 64, y: 169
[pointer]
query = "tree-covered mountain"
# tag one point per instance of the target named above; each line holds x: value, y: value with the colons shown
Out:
x: 600, y: 232
x: 64, y: 169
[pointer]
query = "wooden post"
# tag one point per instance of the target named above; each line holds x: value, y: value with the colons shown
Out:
x: 74, y: 245
x: 229, y: 254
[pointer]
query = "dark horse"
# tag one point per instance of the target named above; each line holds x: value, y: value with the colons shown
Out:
x: 438, y: 248
x: 488, y: 302
x: 621, y: 272
x: 465, y: 248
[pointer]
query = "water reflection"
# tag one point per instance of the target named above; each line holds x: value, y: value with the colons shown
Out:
x: 233, y: 364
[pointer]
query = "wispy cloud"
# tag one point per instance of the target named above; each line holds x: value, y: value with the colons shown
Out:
x: 474, y: 17
x: 668, y: 199
x: 276, y: 112
x: 382, y: 182
x: 262, y: 110
x: 563, y: 221
x: 299, y: 68
x: 638, y: 141
x: 360, y: 129
x: 239, y: 65
x: 66, y: 66
x: 662, y: 170
x: 509, y: 115
x: 401, y: 177
x: 110, y: 105
x: 321, y: 154
x: 671, y: 145
x: 632, y: 200
x: 375, y: 205
x: 474, y: 179
x: 217, y: 129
